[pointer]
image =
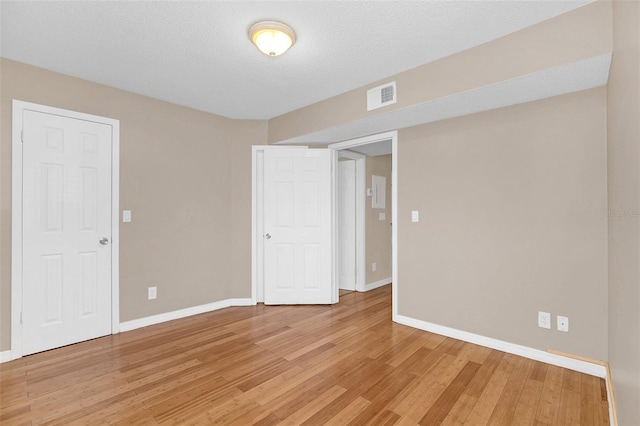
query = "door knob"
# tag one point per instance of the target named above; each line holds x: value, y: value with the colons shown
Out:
x: 267, y: 236
x: 104, y: 241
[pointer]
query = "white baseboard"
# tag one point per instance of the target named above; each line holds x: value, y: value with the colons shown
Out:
x: 512, y: 348
x: 246, y: 301
x: 5, y: 356
x: 182, y: 313
x: 377, y: 284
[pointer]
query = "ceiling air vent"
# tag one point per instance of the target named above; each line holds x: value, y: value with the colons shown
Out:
x: 381, y: 96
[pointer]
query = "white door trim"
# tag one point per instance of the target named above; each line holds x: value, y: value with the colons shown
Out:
x: 16, y: 215
x: 361, y: 233
x: 333, y: 149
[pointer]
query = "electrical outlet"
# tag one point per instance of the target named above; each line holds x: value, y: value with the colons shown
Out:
x: 544, y: 320
x: 374, y: 267
x: 152, y: 293
x: 563, y: 323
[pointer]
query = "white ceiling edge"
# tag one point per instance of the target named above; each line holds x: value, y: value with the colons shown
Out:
x: 374, y: 149
x: 569, y: 78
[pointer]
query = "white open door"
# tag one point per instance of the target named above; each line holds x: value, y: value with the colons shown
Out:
x: 297, y: 226
x: 346, y: 210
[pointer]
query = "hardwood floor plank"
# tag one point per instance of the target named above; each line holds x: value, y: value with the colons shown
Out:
x: 140, y: 418
x: 12, y: 413
x: 467, y: 401
x: 505, y: 407
x: 550, y: 399
x: 315, y: 342
x: 569, y: 410
x: 359, y: 381
x: 489, y: 397
x: 525, y: 411
x: 439, y: 411
x: 398, y: 353
x: 590, y: 408
x: 256, y: 376
x: 269, y: 420
x: 196, y: 399
x: 348, y: 413
x: 539, y: 371
x: 301, y: 396
x: 423, y: 359
x: 220, y: 414
x: 313, y: 365
x: 429, y: 388
x: 314, y: 406
x: 460, y: 410
x: 177, y: 353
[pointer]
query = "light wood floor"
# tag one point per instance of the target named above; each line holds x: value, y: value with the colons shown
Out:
x: 337, y: 365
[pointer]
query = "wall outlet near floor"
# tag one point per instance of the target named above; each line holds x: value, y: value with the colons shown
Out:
x: 563, y: 323
x: 374, y: 267
x: 152, y: 293
x: 544, y: 320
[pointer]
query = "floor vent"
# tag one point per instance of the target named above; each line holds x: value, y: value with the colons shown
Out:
x: 381, y: 96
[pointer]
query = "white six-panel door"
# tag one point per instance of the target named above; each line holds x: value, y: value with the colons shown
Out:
x: 66, y: 231
x: 297, y: 226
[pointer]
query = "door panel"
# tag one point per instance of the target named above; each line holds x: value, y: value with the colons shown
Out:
x: 66, y: 211
x: 347, y: 224
x: 297, y: 211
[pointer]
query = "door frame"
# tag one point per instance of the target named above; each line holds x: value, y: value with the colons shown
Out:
x: 361, y: 233
x: 333, y: 150
x: 16, y: 214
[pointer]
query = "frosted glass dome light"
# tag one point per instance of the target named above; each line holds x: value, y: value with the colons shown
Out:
x: 271, y: 37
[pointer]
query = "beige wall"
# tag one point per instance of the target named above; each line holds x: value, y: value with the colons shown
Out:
x: 186, y: 176
x: 624, y: 204
x: 579, y: 34
x: 512, y: 222
x: 378, y: 237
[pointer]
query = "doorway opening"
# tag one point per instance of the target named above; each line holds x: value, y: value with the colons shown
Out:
x: 365, y: 201
x: 274, y: 193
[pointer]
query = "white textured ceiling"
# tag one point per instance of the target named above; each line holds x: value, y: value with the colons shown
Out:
x: 198, y: 54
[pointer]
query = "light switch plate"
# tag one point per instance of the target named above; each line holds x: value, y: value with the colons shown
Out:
x: 415, y: 216
x: 126, y: 215
x: 382, y: 216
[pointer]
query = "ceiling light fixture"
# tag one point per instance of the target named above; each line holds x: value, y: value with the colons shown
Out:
x: 271, y: 37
